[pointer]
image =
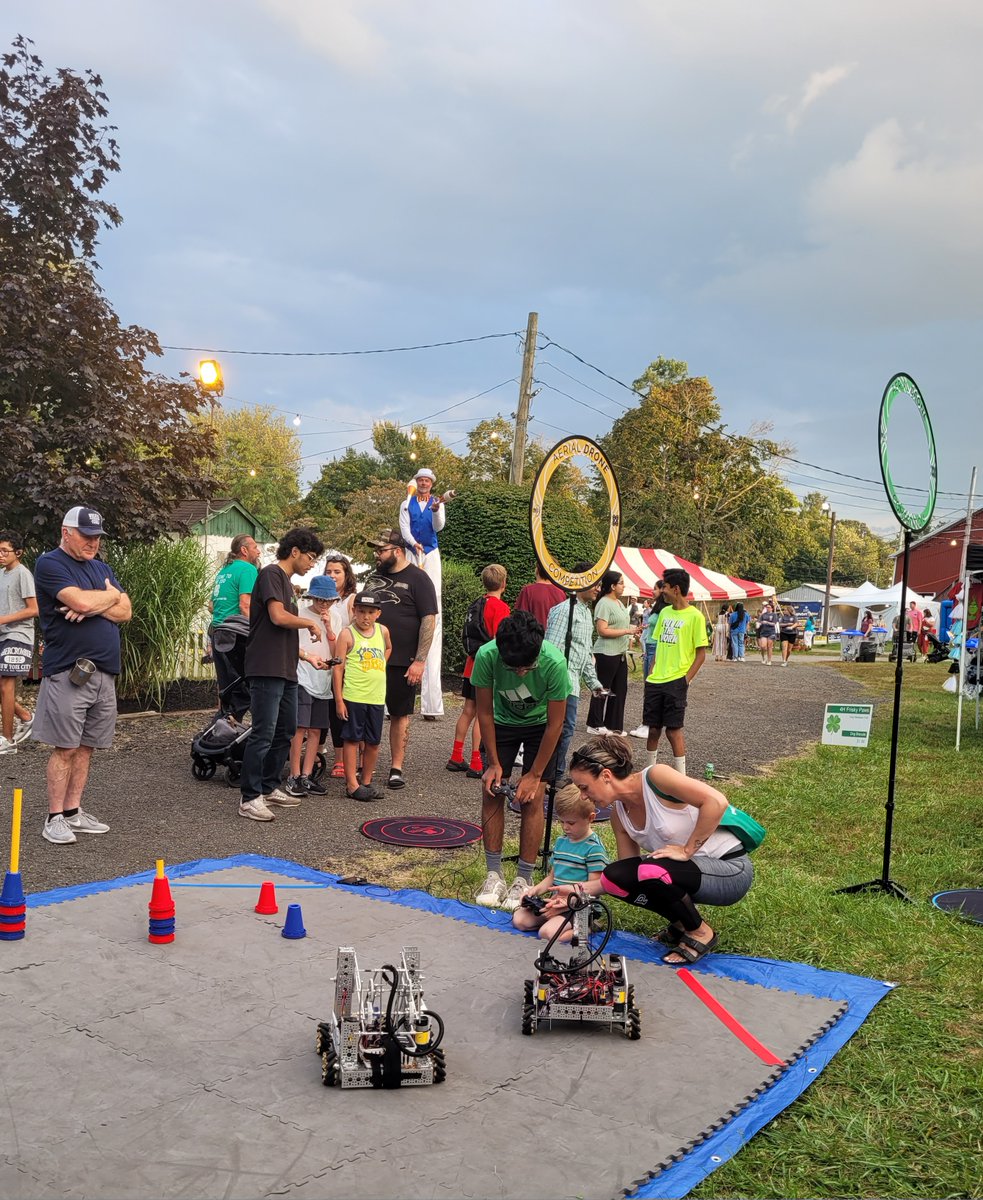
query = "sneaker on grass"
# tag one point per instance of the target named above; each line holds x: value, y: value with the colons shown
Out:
x: 255, y: 810
x: 492, y: 892
x: 514, y: 896
x: 57, y: 832
x: 282, y: 799
x: 84, y: 822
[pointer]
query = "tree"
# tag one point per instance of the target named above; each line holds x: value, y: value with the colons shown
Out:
x: 692, y: 487
x: 858, y: 553
x: 366, y: 512
x: 489, y: 454
x: 404, y: 452
x: 256, y: 460
x: 340, y: 481
x: 81, y: 417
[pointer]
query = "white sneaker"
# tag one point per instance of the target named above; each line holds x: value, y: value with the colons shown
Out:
x: 22, y: 729
x: 84, y: 822
x: 493, y: 891
x: 281, y: 799
x: 598, y: 731
x: 641, y: 732
x: 514, y: 896
x: 57, y: 831
x: 7, y: 746
x: 255, y: 810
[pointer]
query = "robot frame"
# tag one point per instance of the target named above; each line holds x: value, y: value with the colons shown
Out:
x: 375, y: 1040
x: 586, y: 987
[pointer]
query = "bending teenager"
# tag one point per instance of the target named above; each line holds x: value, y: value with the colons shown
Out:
x: 671, y: 852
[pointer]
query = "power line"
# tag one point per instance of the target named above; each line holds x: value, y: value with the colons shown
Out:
x: 485, y: 337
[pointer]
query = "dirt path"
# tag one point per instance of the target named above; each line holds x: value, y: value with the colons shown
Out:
x: 740, y: 717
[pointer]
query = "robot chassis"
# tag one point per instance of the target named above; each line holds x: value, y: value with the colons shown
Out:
x: 586, y: 987
x: 381, y: 1033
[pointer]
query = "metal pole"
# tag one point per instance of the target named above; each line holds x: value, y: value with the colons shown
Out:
x: 829, y: 574
x: 965, y: 598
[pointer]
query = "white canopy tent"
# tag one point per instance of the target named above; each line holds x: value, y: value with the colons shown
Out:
x: 882, y: 602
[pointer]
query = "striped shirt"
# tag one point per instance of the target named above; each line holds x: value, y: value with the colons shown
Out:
x: 580, y: 662
x: 573, y: 862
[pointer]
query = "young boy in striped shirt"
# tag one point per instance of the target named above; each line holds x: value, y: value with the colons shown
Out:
x: 578, y: 856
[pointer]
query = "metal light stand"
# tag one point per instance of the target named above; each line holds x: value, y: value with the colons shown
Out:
x: 886, y: 883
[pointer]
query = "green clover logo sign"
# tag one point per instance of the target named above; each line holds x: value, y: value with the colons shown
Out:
x: 833, y: 724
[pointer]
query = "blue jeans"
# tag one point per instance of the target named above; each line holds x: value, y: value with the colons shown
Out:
x: 737, y: 644
x: 273, y: 705
x: 649, y: 659
x: 566, y: 737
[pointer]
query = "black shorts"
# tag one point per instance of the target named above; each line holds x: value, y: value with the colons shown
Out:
x: 312, y: 711
x: 664, y: 705
x: 790, y: 635
x: 400, y: 695
x: 364, y: 723
x: 467, y: 689
x: 510, y: 738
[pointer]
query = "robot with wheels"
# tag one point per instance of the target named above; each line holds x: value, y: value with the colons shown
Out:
x: 380, y: 1034
x: 585, y: 987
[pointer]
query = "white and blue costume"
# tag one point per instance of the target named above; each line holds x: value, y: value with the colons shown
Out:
x: 419, y: 523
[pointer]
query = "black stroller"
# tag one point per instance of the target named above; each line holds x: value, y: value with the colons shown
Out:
x: 222, y: 743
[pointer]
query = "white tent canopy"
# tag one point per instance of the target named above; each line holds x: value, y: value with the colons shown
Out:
x: 882, y: 602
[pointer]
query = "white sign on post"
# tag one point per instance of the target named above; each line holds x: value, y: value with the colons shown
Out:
x: 847, y: 725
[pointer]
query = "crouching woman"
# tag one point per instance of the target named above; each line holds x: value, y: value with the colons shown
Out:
x: 672, y: 851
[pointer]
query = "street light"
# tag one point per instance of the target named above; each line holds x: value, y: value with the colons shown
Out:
x: 829, y: 566
x: 213, y: 385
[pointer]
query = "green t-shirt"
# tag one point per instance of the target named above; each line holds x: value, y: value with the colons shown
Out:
x: 617, y: 617
x: 234, y: 579
x: 678, y: 634
x: 521, y: 699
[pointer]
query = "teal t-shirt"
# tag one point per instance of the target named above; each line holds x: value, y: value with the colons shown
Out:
x: 521, y: 699
x: 234, y: 579
x: 573, y: 862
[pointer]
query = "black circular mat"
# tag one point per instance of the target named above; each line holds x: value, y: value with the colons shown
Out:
x: 435, y: 833
x: 964, y: 902
x: 602, y: 814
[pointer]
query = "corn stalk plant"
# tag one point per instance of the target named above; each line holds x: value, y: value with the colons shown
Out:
x: 167, y: 582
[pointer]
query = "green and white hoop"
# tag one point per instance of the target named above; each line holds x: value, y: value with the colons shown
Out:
x: 904, y: 385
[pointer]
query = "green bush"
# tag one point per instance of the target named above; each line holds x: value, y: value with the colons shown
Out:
x: 167, y: 583
x: 490, y: 523
x: 460, y: 584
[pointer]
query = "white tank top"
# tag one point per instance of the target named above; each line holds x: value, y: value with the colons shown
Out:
x: 665, y: 826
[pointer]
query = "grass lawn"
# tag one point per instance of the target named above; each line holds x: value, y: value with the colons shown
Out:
x: 899, y: 1111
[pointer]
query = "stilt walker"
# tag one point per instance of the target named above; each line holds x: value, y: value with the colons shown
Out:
x: 421, y: 517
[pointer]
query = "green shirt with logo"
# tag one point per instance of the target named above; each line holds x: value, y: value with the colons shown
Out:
x: 521, y: 699
x: 678, y: 634
x: 235, y: 579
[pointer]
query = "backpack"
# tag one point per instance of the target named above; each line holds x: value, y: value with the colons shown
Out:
x: 474, y: 635
x: 744, y: 827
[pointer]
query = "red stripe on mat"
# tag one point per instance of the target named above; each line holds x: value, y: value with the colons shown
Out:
x: 737, y: 1029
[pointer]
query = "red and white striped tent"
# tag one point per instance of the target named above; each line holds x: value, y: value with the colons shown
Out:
x: 641, y: 568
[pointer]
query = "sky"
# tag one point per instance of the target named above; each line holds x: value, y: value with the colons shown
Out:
x: 785, y: 196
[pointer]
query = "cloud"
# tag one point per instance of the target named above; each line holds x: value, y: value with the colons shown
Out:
x: 817, y: 85
x: 335, y: 31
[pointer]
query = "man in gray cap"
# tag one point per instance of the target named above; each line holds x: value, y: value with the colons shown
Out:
x: 422, y: 516
x: 81, y: 605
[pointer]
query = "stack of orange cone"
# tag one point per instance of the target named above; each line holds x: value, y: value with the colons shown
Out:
x: 162, y: 910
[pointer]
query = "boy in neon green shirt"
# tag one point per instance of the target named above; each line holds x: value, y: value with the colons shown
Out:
x: 680, y: 636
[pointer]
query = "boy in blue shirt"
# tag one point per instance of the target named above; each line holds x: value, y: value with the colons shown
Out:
x: 578, y: 856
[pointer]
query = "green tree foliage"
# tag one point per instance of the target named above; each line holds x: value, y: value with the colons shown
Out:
x: 404, y: 451
x: 81, y: 417
x: 691, y: 487
x: 489, y: 456
x: 858, y: 553
x: 365, y: 513
x: 168, y: 585
x: 340, y: 480
x: 460, y: 584
x: 256, y: 460
x: 490, y: 523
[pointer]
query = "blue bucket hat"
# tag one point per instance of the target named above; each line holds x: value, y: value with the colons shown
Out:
x: 322, y: 587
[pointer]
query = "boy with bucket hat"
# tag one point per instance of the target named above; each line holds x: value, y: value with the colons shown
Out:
x: 313, y: 688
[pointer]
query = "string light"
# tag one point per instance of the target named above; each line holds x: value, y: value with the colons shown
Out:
x: 297, y: 419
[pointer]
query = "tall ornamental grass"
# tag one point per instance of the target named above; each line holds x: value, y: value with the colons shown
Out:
x: 167, y: 583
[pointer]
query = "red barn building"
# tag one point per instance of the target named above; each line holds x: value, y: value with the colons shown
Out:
x: 935, y: 558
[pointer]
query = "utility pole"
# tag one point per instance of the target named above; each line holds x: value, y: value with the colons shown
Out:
x: 525, y: 399
x: 829, y: 573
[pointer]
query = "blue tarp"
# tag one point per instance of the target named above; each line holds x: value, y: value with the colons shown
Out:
x: 857, y: 992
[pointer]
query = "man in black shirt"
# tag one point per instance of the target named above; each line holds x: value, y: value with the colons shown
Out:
x: 409, y: 612
x: 272, y: 652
